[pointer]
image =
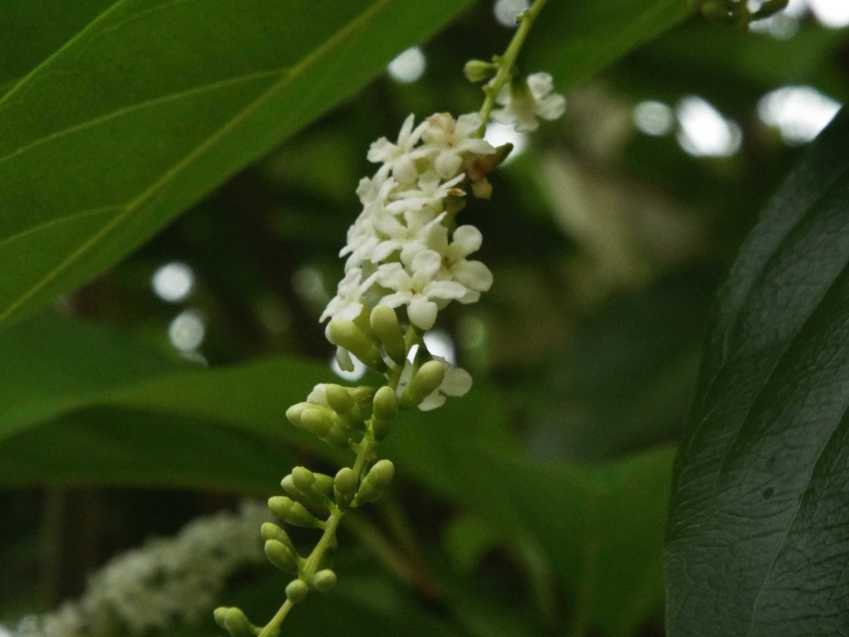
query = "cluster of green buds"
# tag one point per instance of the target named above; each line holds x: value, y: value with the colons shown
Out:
x: 355, y: 418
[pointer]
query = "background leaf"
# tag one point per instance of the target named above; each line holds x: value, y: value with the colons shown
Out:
x: 144, y: 109
x: 759, y: 523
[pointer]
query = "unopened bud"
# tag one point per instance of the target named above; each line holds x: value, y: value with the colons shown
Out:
x: 270, y: 531
x: 376, y: 482
x: 347, y: 335
x: 293, y: 414
x: 296, y: 591
x: 323, y: 484
x: 478, y: 70
x: 424, y: 382
x: 345, y: 485
x: 317, y: 419
x: 281, y: 556
x: 385, y: 404
x: 303, y: 478
x: 292, y: 512
x: 324, y: 580
x: 338, y: 398
x: 234, y: 621
x: 384, y: 323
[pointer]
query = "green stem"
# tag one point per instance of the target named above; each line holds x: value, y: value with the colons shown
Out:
x: 507, y: 61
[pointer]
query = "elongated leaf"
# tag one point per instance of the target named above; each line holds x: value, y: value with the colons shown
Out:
x: 577, y: 39
x: 759, y: 530
x: 140, y: 108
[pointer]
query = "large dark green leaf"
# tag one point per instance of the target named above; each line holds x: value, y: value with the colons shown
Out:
x: 126, y: 112
x: 759, y: 531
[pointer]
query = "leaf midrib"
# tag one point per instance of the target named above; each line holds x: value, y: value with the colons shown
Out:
x: 296, y: 71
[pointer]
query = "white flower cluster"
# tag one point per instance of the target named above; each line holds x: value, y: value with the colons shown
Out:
x: 404, y: 249
x: 522, y: 103
x: 165, y: 583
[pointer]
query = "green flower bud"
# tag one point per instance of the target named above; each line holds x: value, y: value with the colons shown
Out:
x: 220, y: 614
x: 270, y: 531
x: 237, y: 624
x: 303, y: 479
x: 345, y: 485
x: 376, y: 482
x: 296, y: 591
x: 293, y: 414
x: 384, y: 323
x: 323, y: 484
x: 317, y: 419
x: 385, y: 405
x: 478, y: 70
x: 293, y: 512
x: 281, y: 556
x: 338, y: 398
x: 347, y: 335
x: 324, y: 580
x: 308, y: 496
x: 425, y: 381
x: 380, y: 428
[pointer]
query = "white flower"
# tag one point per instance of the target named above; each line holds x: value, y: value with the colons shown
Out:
x: 522, y: 105
x: 451, y: 138
x: 398, y: 158
x: 418, y: 290
x: 457, y: 382
x: 407, y: 238
x: 472, y: 275
x: 430, y: 193
x: 348, y: 302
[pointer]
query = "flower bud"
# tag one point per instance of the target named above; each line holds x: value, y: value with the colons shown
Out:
x: 424, y: 382
x: 319, y: 420
x: 281, y: 556
x: 323, y: 484
x: 478, y: 70
x: 234, y: 621
x: 385, y: 404
x: 376, y: 482
x: 302, y: 478
x: 384, y: 323
x: 293, y: 512
x: 270, y: 531
x: 338, y: 398
x: 293, y: 413
x: 296, y: 591
x: 345, y: 485
x: 324, y: 580
x: 307, y: 496
x: 347, y: 335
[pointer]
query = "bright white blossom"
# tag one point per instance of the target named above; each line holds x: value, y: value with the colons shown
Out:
x: 404, y: 250
x: 457, y: 382
x: 523, y: 104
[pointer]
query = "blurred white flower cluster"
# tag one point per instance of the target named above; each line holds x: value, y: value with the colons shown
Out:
x: 405, y: 249
x: 165, y: 583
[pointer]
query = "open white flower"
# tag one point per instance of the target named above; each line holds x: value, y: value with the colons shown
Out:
x: 457, y: 382
x: 430, y: 193
x: 399, y: 158
x: 348, y: 302
x: 472, y: 275
x: 418, y: 290
x: 523, y: 104
x: 451, y: 139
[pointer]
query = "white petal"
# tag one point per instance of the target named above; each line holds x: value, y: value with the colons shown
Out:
x: 457, y: 381
x: 350, y: 311
x: 433, y: 401
x: 404, y: 169
x: 397, y: 299
x: 343, y: 359
x: 476, y: 146
x: 473, y: 275
x: 384, y: 249
x: 422, y: 312
x: 448, y: 163
x: 504, y: 116
x: 551, y: 107
x: 393, y: 276
x: 467, y: 240
x: 380, y: 150
x: 541, y: 84
x: 406, y: 127
x: 426, y: 263
x: 444, y: 290
x: 468, y: 124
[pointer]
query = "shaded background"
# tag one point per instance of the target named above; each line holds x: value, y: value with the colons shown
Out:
x: 608, y: 234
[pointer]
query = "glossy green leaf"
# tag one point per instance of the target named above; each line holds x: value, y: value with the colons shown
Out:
x: 126, y: 112
x: 575, y: 40
x: 759, y: 528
